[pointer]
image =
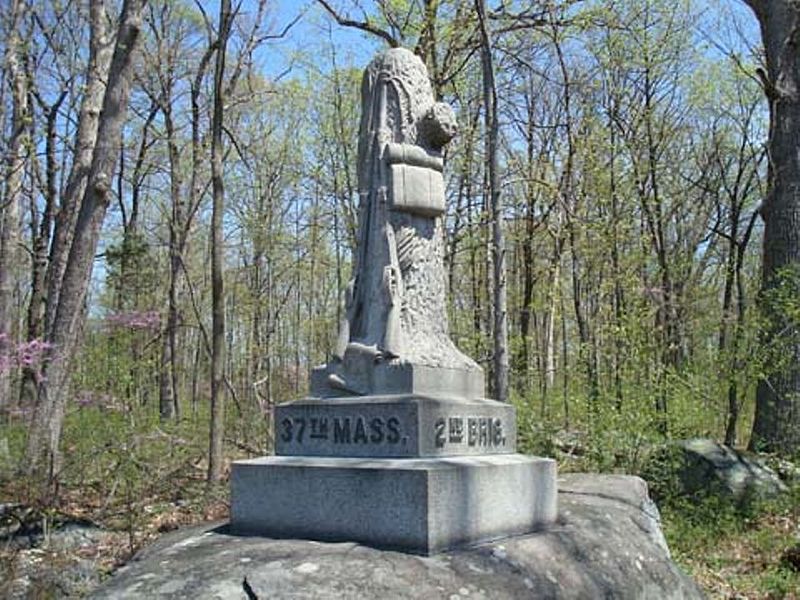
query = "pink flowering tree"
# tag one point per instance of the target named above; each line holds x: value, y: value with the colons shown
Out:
x: 28, y: 355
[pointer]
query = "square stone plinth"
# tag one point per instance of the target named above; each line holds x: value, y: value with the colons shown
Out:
x: 403, y: 426
x: 361, y: 376
x: 415, y: 505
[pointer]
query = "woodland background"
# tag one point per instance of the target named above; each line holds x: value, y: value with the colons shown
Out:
x: 624, y: 183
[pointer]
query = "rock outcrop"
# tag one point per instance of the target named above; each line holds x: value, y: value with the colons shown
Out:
x: 607, y: 543
x: 701, y: 467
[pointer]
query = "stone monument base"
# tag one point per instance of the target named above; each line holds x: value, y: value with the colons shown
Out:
x: 415, y: 505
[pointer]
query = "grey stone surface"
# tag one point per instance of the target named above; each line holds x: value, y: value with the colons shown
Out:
x: 415, y: 505
x: 442, y: 469
x: 361, y: 376
x: 702, y: 466
x: 606, y: 544
x: 395, y: 305
x: 416, y: 184
x: 394, y: 427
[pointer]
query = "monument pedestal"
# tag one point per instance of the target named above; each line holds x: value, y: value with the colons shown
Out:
x: 408, y: 472
x: 415, y: 505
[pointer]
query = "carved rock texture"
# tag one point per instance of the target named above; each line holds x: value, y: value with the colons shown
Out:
x: 606, y: 544
x: 396, y: 308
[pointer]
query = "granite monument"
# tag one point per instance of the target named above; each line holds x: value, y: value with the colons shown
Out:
x: 397, y: 447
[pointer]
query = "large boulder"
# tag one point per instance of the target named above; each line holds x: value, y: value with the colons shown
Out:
x: 703, y: 467
x: 606, y: 544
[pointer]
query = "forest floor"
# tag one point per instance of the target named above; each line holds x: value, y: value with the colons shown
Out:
x: 739, y: 554
x: 69, y: 550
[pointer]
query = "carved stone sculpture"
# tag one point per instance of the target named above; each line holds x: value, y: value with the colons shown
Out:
x: 397, y: 445
x: 395, y: 304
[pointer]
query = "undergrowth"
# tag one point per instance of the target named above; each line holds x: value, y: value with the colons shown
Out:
x: 734, y: 550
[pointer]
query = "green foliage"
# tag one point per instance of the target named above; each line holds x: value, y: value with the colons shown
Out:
x: 133, y: 271
x: 779, y: 305
x: 738, y: 544
x: 616, y: 437
x: 124, y: 468
x: 12, y: 445
x: 118, y: 365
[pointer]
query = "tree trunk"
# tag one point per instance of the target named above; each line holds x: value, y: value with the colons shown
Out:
x: 41, y: 242
x: 553, y: 302
x: 735, y: 361
x: 776, y: 426
x: 168, y: 388
x: 42, y: 455
x: 528, y: 262
x: 215, y: 452
x: 586, y: 350
x: 619, y: 296
x: 10, y: 206
x: 97, y: 73
x: 569, y: 197
x: 498, y: 254
x: 725, y: 325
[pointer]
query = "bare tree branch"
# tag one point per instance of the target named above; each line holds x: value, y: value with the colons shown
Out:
x: 362, y: 25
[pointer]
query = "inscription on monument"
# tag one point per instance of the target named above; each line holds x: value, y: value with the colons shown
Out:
x: 398, y: 426
x: 354, y: 429
x: 472, y: 431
